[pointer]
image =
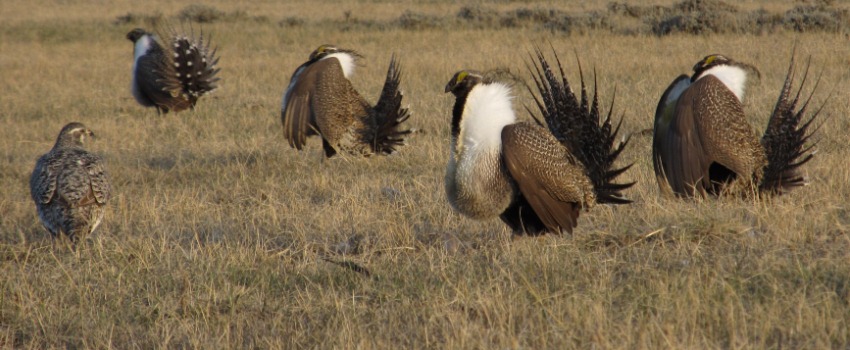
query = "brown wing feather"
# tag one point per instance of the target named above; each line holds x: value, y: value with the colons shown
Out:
x: 709, y: 127
x: 297, y: 115
x: 75, y: 180
x: 320, y: 100
x: 663, y: 116
x: 43, y: 180
x: 685, y: 161
x: 101, y: 190
x: 727, y: 136
x: 547, y: 175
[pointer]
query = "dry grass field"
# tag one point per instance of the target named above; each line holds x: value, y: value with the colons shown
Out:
x: 217, y: 233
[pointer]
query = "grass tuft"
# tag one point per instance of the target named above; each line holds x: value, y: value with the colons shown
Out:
x: 200, y: 14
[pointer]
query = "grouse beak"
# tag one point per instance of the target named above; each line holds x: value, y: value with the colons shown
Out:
x: 449, y: 87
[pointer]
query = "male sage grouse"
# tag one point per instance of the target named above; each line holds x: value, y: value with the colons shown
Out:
x: 703, y: 144
x: 172, y: 75
x: 69, y: 186
x: 536, y: 179
x: 320, y: 100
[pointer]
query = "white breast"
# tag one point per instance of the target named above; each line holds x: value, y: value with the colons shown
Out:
x: 476, y: 184
x: 140, y: 49
x: 142, y: 46
x: 346, y: 61
x: 735, y: 78
x: 487, y: 111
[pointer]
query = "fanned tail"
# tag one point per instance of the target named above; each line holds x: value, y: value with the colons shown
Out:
x: 194, y: 63
x: 785, y: 137
x: 576, y: 124
x: 389, y: 115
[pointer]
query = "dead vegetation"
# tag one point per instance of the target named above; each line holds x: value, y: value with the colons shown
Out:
x: 687, y: 16
x: 221, y: 236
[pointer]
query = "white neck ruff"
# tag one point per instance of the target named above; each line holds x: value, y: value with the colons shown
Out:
x: 346, y: 61
x: 487, y: 111
x: 735, y: 78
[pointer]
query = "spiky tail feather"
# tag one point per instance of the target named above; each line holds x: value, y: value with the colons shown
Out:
x: 784, y: 138
x: 194, y: 62
x: 389, y: 115
x: 577, y: 126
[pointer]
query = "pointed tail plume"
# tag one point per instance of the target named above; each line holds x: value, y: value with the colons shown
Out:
x: 786, y: 135
x: 389, y: 115
x: 576, y: 124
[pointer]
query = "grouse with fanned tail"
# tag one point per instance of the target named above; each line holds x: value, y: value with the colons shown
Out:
x: 703, y: 144
x: 320, y: 100
x: 173, y: 74
x: 535, y: 179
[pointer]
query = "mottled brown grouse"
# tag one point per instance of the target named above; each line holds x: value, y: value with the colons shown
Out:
x: 69, y: 186
x: 703, y: 144
x: 320, y: 100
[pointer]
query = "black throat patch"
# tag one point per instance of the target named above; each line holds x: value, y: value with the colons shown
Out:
x: 457, y: 112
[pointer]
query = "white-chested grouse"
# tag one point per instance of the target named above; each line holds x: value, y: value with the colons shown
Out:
x: 535, y: 178
x: 703, y: 144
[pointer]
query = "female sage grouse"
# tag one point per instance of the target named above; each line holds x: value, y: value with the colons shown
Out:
x: 69, y: 186
x: 535, y: 179
x: 174, y: 74
x: 703, y: 144
x: 320, y: 100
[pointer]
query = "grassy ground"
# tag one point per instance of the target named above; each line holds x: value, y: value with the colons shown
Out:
x: 217, y: 229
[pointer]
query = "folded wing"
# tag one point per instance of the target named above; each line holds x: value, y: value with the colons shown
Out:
x: 548, y: 176
x: 663, y: 118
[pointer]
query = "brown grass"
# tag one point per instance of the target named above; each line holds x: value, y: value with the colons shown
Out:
x: 217, y: 229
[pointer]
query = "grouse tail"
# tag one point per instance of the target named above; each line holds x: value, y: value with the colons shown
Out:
x: 576, y: 124
x: 786, y: 135
x: 389, y: 114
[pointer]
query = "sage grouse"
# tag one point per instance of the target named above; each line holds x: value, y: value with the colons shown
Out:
x: 320, y: 100
x: 535, y: 179
x: 174, y: 74
x: 702, y: 143
x: 69, y: 186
